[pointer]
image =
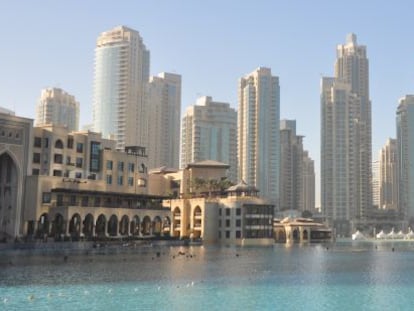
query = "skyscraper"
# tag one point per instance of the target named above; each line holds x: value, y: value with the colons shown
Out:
x: 208, y: 132
x: 346, y: 139
x: 258, y: 132
x: 297, y: 174
x: 164, y: 117
x: 405, y: 149
x: 121, y: 71
x: 57, y: 107
x: 388, y: 175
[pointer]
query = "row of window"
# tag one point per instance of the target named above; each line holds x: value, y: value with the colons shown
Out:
x: 58, y: 158
x: 120, y: 166
x: 227, y: 234
x: 58, y: 143
x: 130, y: 181
x: 227, y: 222
x: 227, y: 209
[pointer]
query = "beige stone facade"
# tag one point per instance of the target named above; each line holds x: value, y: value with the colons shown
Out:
x: 15, y: 148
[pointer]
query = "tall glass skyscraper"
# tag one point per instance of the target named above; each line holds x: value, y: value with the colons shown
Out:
x: 346, y: 139
x: 258, y: 132
x: 121, y: 71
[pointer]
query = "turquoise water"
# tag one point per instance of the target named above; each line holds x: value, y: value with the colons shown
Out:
x: 344, y: 276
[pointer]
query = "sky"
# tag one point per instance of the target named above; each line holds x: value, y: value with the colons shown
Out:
x: 212, y: 44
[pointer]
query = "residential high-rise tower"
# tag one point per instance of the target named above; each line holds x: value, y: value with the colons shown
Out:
x: 121, y: 71
x: 346, y: 139
x: 57, y: 107
x: 208, y: 132
x: 405, y: 152
x: 258, y: 132
x: 388, y: 162
x: 164, y: 117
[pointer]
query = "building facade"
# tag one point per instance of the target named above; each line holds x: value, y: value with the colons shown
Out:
x: 209, y: 132
x: 57, y: 107
x: 405, y: 152
x: 346, y: 139
x: 388, y: 175
x: 258, y: 132
x: 308, y: 182
x: 81, y: 187
x: 164, y: 115
x: 376, y: 184
x: 15, y: 150
x: 121, y: 71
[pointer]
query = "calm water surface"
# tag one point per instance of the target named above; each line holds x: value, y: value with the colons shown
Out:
x: 344, y: 276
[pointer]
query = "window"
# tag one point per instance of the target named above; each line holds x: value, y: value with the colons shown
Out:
x: 227, y: 234
x: 238, y: 223
x: 219, y: 234
x: 238, y: 234
x: 109, y: 179
x: 35, y: 171
x: 227, y: 223
x: 79, y: 162
x: 121, y: 166
x: 120, y: 180
x: 36, y: 157
x: 85, y: 201
x: 57, y: 173
x: 97, y: 201
x: 58, y: 158
x: 238, y: 211
x: 130, y: 181
x: 95, y: 159
x: 227, y: 212
x: 70, y: 142
x: 79, y: 147
x: 131, y: 167
x: 46, y: 197
x: 219, y: 222
x: 220, y: 211
x: 59, y: 200
x: 72, y: 200
x: 46, y: 142
x: 37, y: 142
x: 109, y: 165
x: 59, y: 144
x: 78, y: 175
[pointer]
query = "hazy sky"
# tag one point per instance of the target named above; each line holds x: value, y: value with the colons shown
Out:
x: 212, y: 44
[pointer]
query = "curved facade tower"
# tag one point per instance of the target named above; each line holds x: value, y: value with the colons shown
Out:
x: 121, y: 71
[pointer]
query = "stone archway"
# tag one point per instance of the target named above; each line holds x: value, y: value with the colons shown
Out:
x: 295, y: 235
x: 305, y: 235
x: 166, y: 226
x: 100, y: 226
x: 88, y: 226
x: 8, y: 196
x: 176, y: 222
x: 75, y: 226
x: 58, y: 227
x: 197, y: 222
x: 157, y: 226
x: 281, y: 235
x: 135, y: 226
x: 113, y: 226
x: 146, y: 226
x: 123, y: 226
x: 43, y: 226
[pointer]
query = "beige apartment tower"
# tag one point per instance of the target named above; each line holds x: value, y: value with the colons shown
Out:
x: 346, y: 139
x: 258, y: 132
x: 164, y: 117
x: 388, y: 175
x: 209, y: 132
x: 57, y: 107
